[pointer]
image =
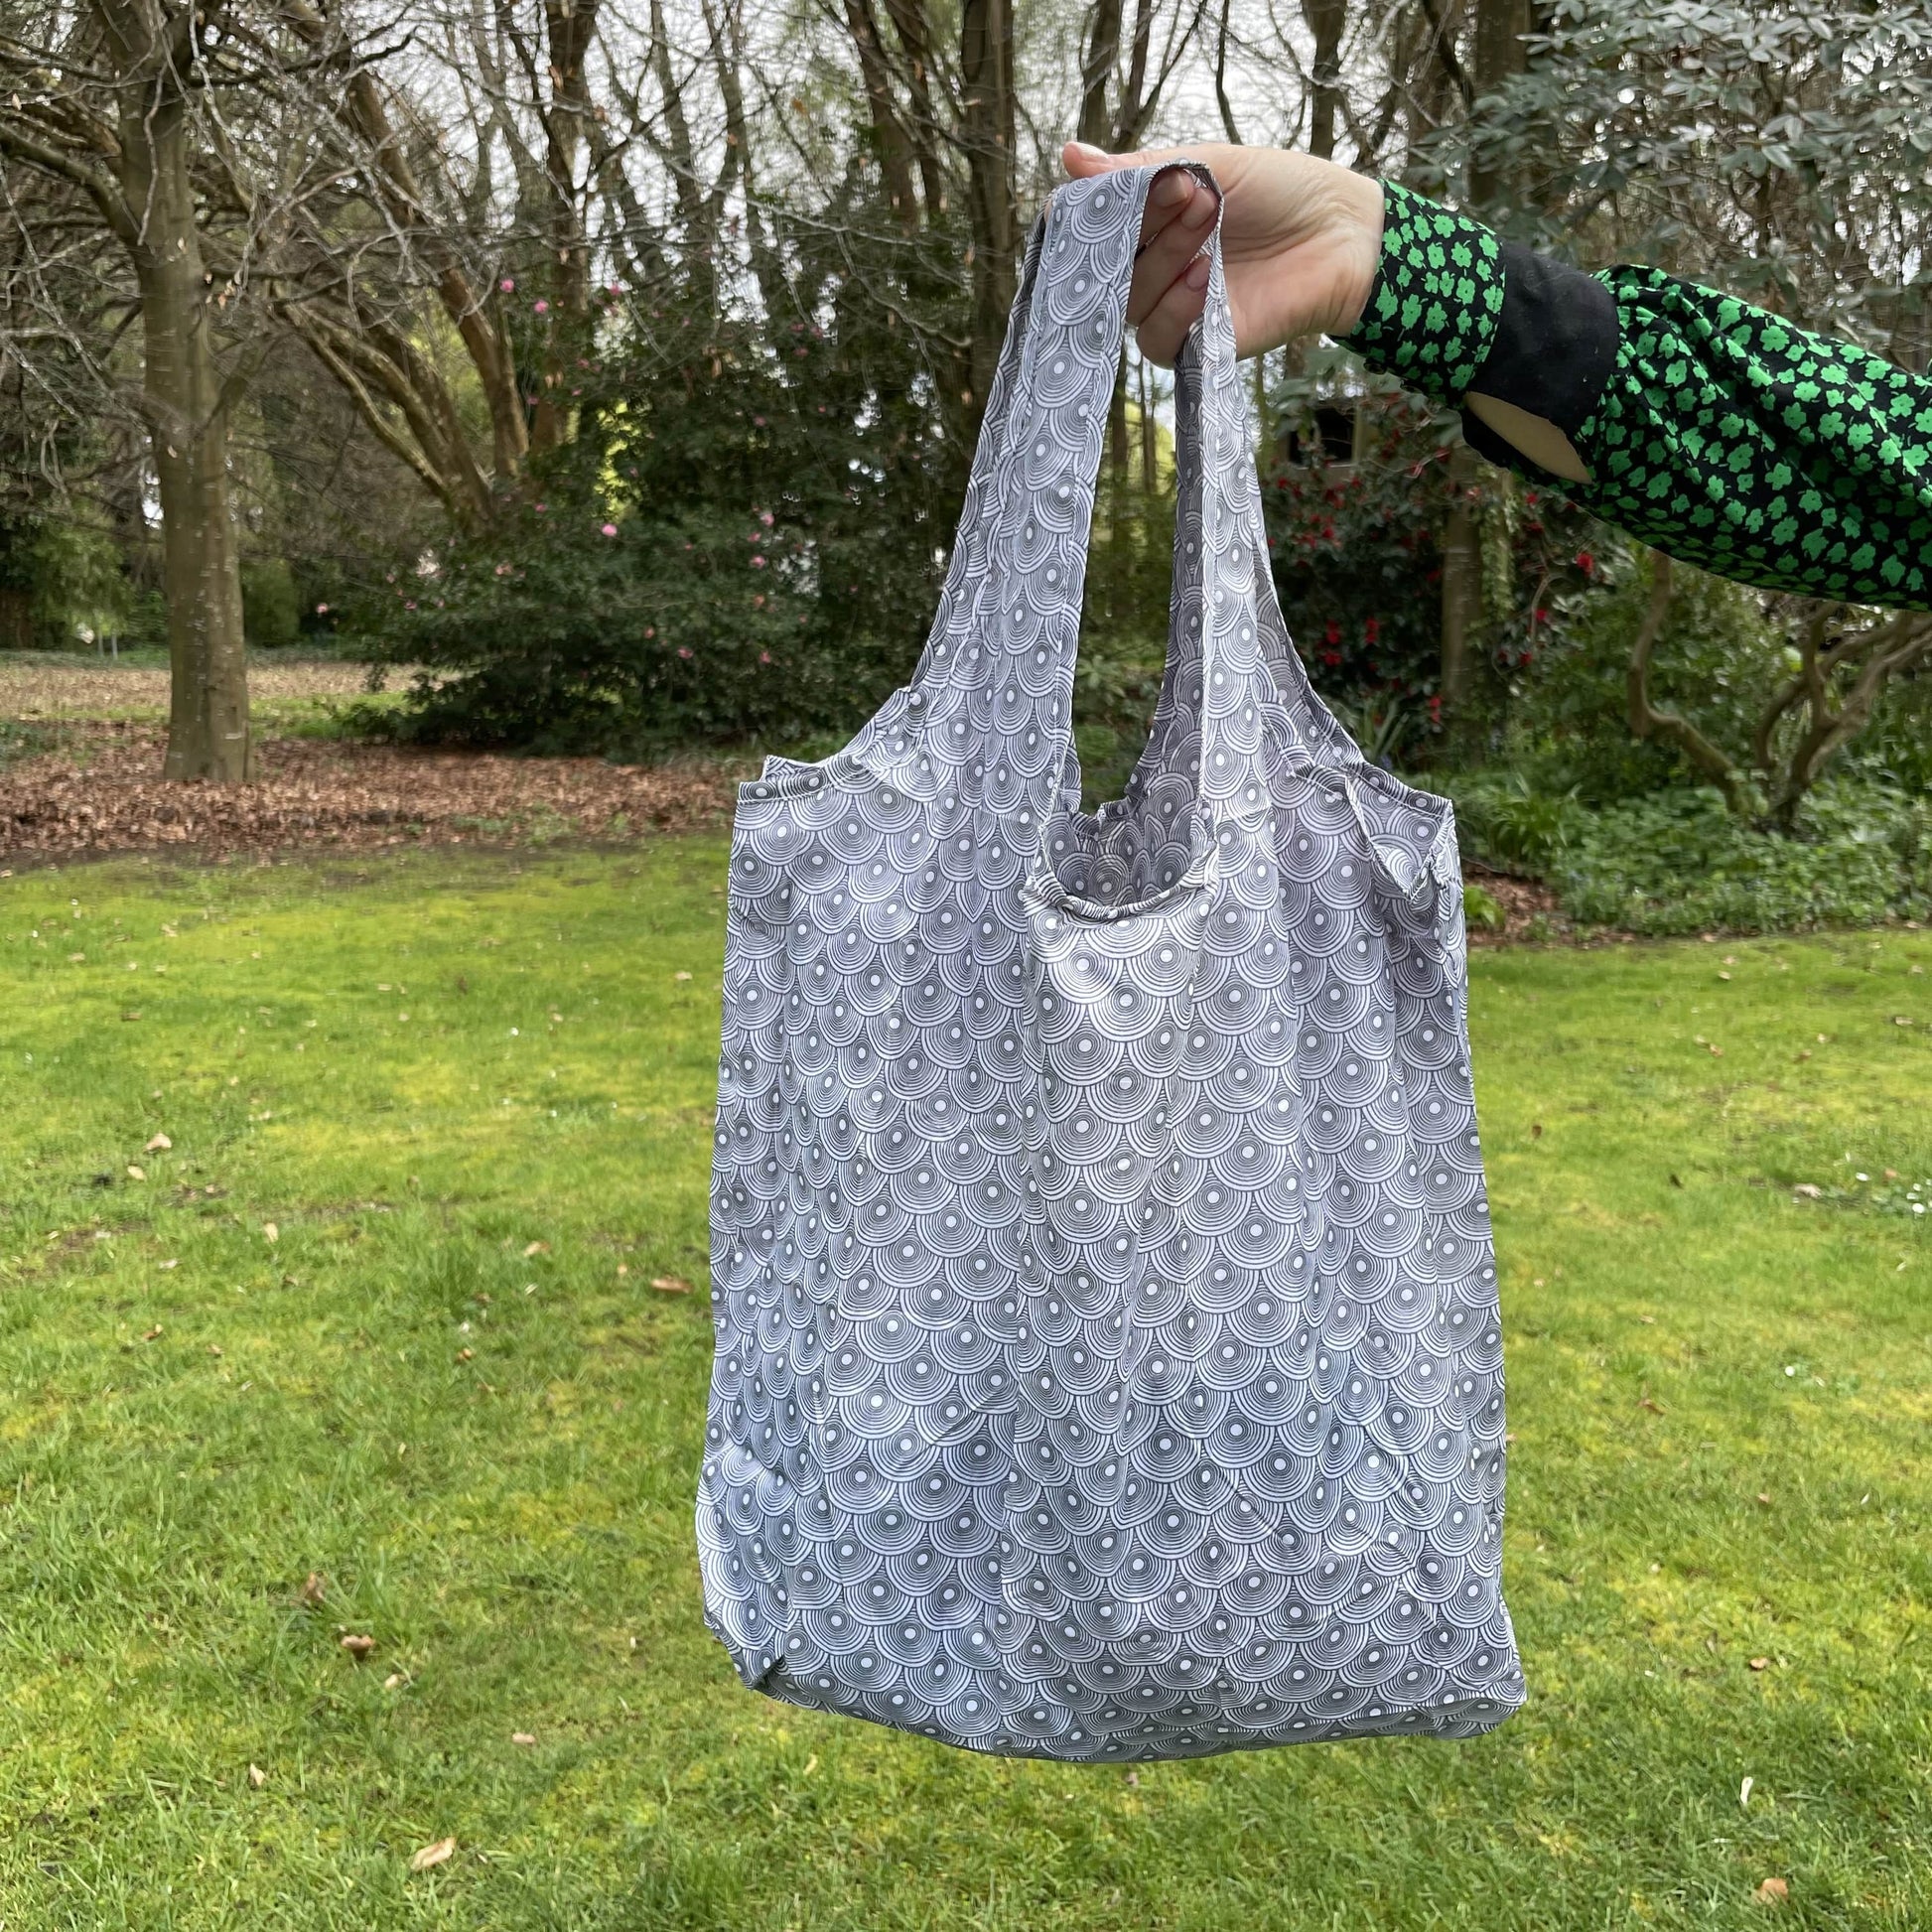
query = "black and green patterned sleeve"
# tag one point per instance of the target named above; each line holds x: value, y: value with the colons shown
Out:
x: 1718, y: 432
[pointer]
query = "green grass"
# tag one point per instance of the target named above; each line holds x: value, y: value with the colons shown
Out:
x: 513, y: 1529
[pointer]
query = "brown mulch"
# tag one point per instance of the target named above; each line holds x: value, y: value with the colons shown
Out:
x: 1530, y: 908
x: 102, y: 792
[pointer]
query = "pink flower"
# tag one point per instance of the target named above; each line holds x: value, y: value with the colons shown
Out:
x: 764, y: 517
x: 541, y: 507
x: 684, y: 651
x: 543, y: 308
x: 651, y: 631
x: 764, y: 657
x: 758, y: 421
x: 758, y: 563
x: 508, y: 286
x: 610, y: 529
x: 322, y: 609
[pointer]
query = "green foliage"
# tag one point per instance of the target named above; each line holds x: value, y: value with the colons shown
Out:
x: 268, y: 606
x: 513, y: 1528
x: 1503, y: 821
x: 1716, y: 662
x: 58, y: 575
x: 1679, y: 861
x: 1482, y: 909
x: 1775, y: 151
x: 742, y: 540
x: 1354, y: 550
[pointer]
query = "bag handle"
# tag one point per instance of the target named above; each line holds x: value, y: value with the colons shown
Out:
x: 988, y: 721
x: 1303, y: 723
x: 979, y: 513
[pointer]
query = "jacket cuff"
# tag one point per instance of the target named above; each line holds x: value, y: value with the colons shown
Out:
x: 1433, y: 312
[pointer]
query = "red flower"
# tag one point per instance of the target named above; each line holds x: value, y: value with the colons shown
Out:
x: 1586, y: 562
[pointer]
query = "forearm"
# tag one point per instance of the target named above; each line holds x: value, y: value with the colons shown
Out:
x: 1709, y: 428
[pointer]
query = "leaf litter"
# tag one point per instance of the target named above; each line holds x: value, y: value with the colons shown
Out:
x: 102, y: 792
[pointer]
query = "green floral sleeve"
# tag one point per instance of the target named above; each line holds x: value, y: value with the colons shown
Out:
x: 1716, y: 431
x: 1432, y: 315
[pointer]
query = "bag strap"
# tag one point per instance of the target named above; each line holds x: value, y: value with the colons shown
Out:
x: 966, y: 568
x: 1301, y: 721
x: 987, y: 721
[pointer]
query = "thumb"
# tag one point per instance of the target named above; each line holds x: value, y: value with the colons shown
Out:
x: 1081, y: 159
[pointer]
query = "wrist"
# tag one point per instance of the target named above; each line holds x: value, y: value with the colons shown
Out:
x: 1363, y: 211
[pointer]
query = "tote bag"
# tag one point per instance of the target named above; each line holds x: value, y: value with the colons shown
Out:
x: 1108, y: 1360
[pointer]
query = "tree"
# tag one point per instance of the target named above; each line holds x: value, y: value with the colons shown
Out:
x: 112, y: 106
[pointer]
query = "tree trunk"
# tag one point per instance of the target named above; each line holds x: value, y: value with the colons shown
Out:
x: 187, y: 413
x: 570, y: 26
x: 1096, y: 70
x: 1648, y: 719
x: 1326, y: 19
x: 987, y: 129
x: 1462, y: 585
x: 1499, y: 54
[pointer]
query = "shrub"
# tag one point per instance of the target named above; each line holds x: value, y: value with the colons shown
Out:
x: 742, y: 539
x: 1503, y: 821
x: 268, y: 611
x: 1715, y: 663
x: 1679, y: 861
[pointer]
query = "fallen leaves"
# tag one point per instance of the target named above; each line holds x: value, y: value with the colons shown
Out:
x: 522, y: 1737
x: 358, y: 1645
x: 536, y: 1247
x: 315, y: 1589
x: 1772, y: 1891
x: 1760, y: 1662
x: 257, y: 1777
x: 466, y: 1355
x: 430, y: 1855
x: 103, y: 792
x: 1647, y: 1401
x: 134, y: 1173
x: 153, y: 1334
x: 161, y: 1144
x: 670, y: 1284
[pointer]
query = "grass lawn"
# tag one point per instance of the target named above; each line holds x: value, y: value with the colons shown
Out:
x: 384, y: 1312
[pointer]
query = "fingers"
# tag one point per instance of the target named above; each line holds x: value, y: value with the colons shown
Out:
x: 1180, y: 215
x: 1168, y: 289
x: 1165, y: 327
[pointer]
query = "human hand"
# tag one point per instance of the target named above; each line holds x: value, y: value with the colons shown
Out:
x: 1300, y: 243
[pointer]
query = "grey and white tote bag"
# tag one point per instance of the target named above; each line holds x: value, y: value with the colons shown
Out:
x: 1108, y: 1361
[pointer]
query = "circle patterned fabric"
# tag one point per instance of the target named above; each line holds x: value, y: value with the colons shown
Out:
x: 1108, y: 1360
